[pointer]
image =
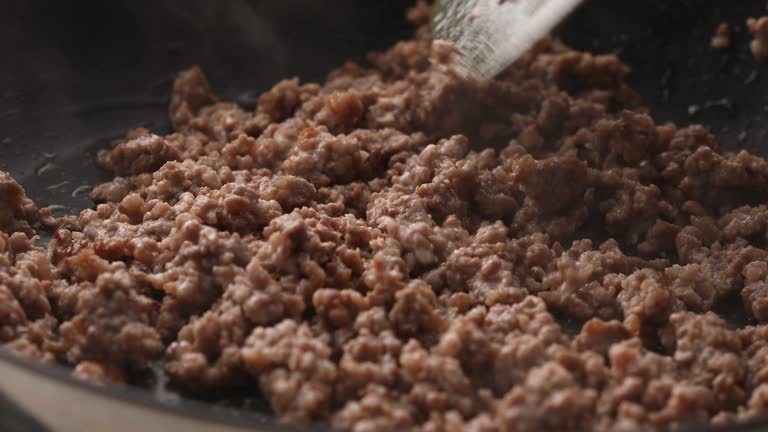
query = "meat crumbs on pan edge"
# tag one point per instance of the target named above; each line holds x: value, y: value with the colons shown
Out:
x: 397, y: 249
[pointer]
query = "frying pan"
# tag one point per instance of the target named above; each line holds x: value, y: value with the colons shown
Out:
x: 78, y: 74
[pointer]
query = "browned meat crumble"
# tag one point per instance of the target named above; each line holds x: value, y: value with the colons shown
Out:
x: 722, y: 38
x: 399, y: 250
x: 759, y: 45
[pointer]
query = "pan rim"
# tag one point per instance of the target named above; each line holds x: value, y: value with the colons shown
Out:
x: 185, y: 407
x: 181, y: 407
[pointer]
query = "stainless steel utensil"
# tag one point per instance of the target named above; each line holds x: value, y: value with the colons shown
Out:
x: 491, y: 34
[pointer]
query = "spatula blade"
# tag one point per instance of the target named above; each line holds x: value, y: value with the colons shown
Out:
x: 491, y: 34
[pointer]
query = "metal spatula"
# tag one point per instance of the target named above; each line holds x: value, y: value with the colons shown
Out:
x: 489, y: 35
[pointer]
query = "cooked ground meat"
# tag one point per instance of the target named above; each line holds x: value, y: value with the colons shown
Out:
x: 17, y: 212
x: 398, y: 249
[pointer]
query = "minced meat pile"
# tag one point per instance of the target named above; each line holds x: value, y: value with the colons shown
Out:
x: 398, y: 249
x: 759, y: 45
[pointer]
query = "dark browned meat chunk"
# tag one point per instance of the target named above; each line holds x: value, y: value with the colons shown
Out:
x: 759, y: 45
x: 722, y: 37
x: 17, y: 212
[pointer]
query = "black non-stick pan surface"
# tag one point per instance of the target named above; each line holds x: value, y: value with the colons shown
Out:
x: 76, y: 75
